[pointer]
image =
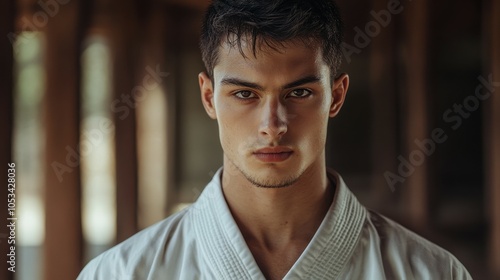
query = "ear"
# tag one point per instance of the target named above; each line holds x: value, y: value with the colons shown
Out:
x: 339, y: 91
x: 207, y: 94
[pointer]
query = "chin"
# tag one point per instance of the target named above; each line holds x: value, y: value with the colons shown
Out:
x: 272, y: 176
x: 272, y: 183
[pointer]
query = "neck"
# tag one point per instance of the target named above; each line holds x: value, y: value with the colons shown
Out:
x: 274, y: 218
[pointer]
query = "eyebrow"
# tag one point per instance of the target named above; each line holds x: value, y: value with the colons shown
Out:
x: 243, y: 83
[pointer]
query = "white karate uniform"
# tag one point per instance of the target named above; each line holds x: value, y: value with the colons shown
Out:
x: 204, y: 242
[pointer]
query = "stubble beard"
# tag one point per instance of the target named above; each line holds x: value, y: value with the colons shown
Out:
x: 268, y: 183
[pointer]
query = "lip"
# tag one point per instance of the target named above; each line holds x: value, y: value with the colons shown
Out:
x: 273, y: 154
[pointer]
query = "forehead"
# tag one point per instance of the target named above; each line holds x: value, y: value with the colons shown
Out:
x: 283, y: 61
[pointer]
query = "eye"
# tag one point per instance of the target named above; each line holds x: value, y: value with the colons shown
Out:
x: 300, y: 93
x: 244, y: 94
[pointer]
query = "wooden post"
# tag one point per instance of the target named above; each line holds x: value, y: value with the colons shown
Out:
x: 153, y: 149
x: 124, y: 50
x: 383, y: 75
x: 63, y: 248
x: 7, y: 16
x: 193, y: 4
x: 416, y: 121
x: 172, y: 87
x: 493, y: 141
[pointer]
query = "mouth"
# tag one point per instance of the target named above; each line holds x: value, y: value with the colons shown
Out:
x: 273, y: 154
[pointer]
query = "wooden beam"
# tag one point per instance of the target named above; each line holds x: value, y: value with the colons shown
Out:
x: 383, y: 75
x: 152, y: 127
x: 200, y: 5
x: 125, y: 52
x: 7, y: 17
x: 63, y: 247
x: 416, y: 121
x: 494, y: 141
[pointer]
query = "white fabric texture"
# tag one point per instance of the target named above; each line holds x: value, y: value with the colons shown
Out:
x: 204, y: 242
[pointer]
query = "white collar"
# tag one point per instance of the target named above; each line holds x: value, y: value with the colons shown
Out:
x: 324, y: 257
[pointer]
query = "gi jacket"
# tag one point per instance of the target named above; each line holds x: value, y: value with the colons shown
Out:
x: 204, y: 242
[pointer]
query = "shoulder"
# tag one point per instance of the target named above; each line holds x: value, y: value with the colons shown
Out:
x: 401, y: 249
x: 136, y: 256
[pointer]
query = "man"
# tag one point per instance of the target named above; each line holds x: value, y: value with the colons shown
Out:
x: 274, y: 211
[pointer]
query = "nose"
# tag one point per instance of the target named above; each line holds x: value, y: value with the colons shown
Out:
x: 274, y: 122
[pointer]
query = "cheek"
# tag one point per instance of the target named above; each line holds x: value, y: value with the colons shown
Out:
x: 231, y: 132
x: 234, y: 120
x: 311, y: 130
x: 313, y: 116
x: 225, y: 131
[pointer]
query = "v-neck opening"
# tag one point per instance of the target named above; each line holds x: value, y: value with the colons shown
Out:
x: 324, y: 256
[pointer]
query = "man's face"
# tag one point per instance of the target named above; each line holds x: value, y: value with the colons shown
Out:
x: 272, y: 110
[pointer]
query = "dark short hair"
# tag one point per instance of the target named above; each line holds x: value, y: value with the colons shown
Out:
x: 273, y: 23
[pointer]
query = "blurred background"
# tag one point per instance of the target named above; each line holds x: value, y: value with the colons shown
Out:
x: 100, y: 111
